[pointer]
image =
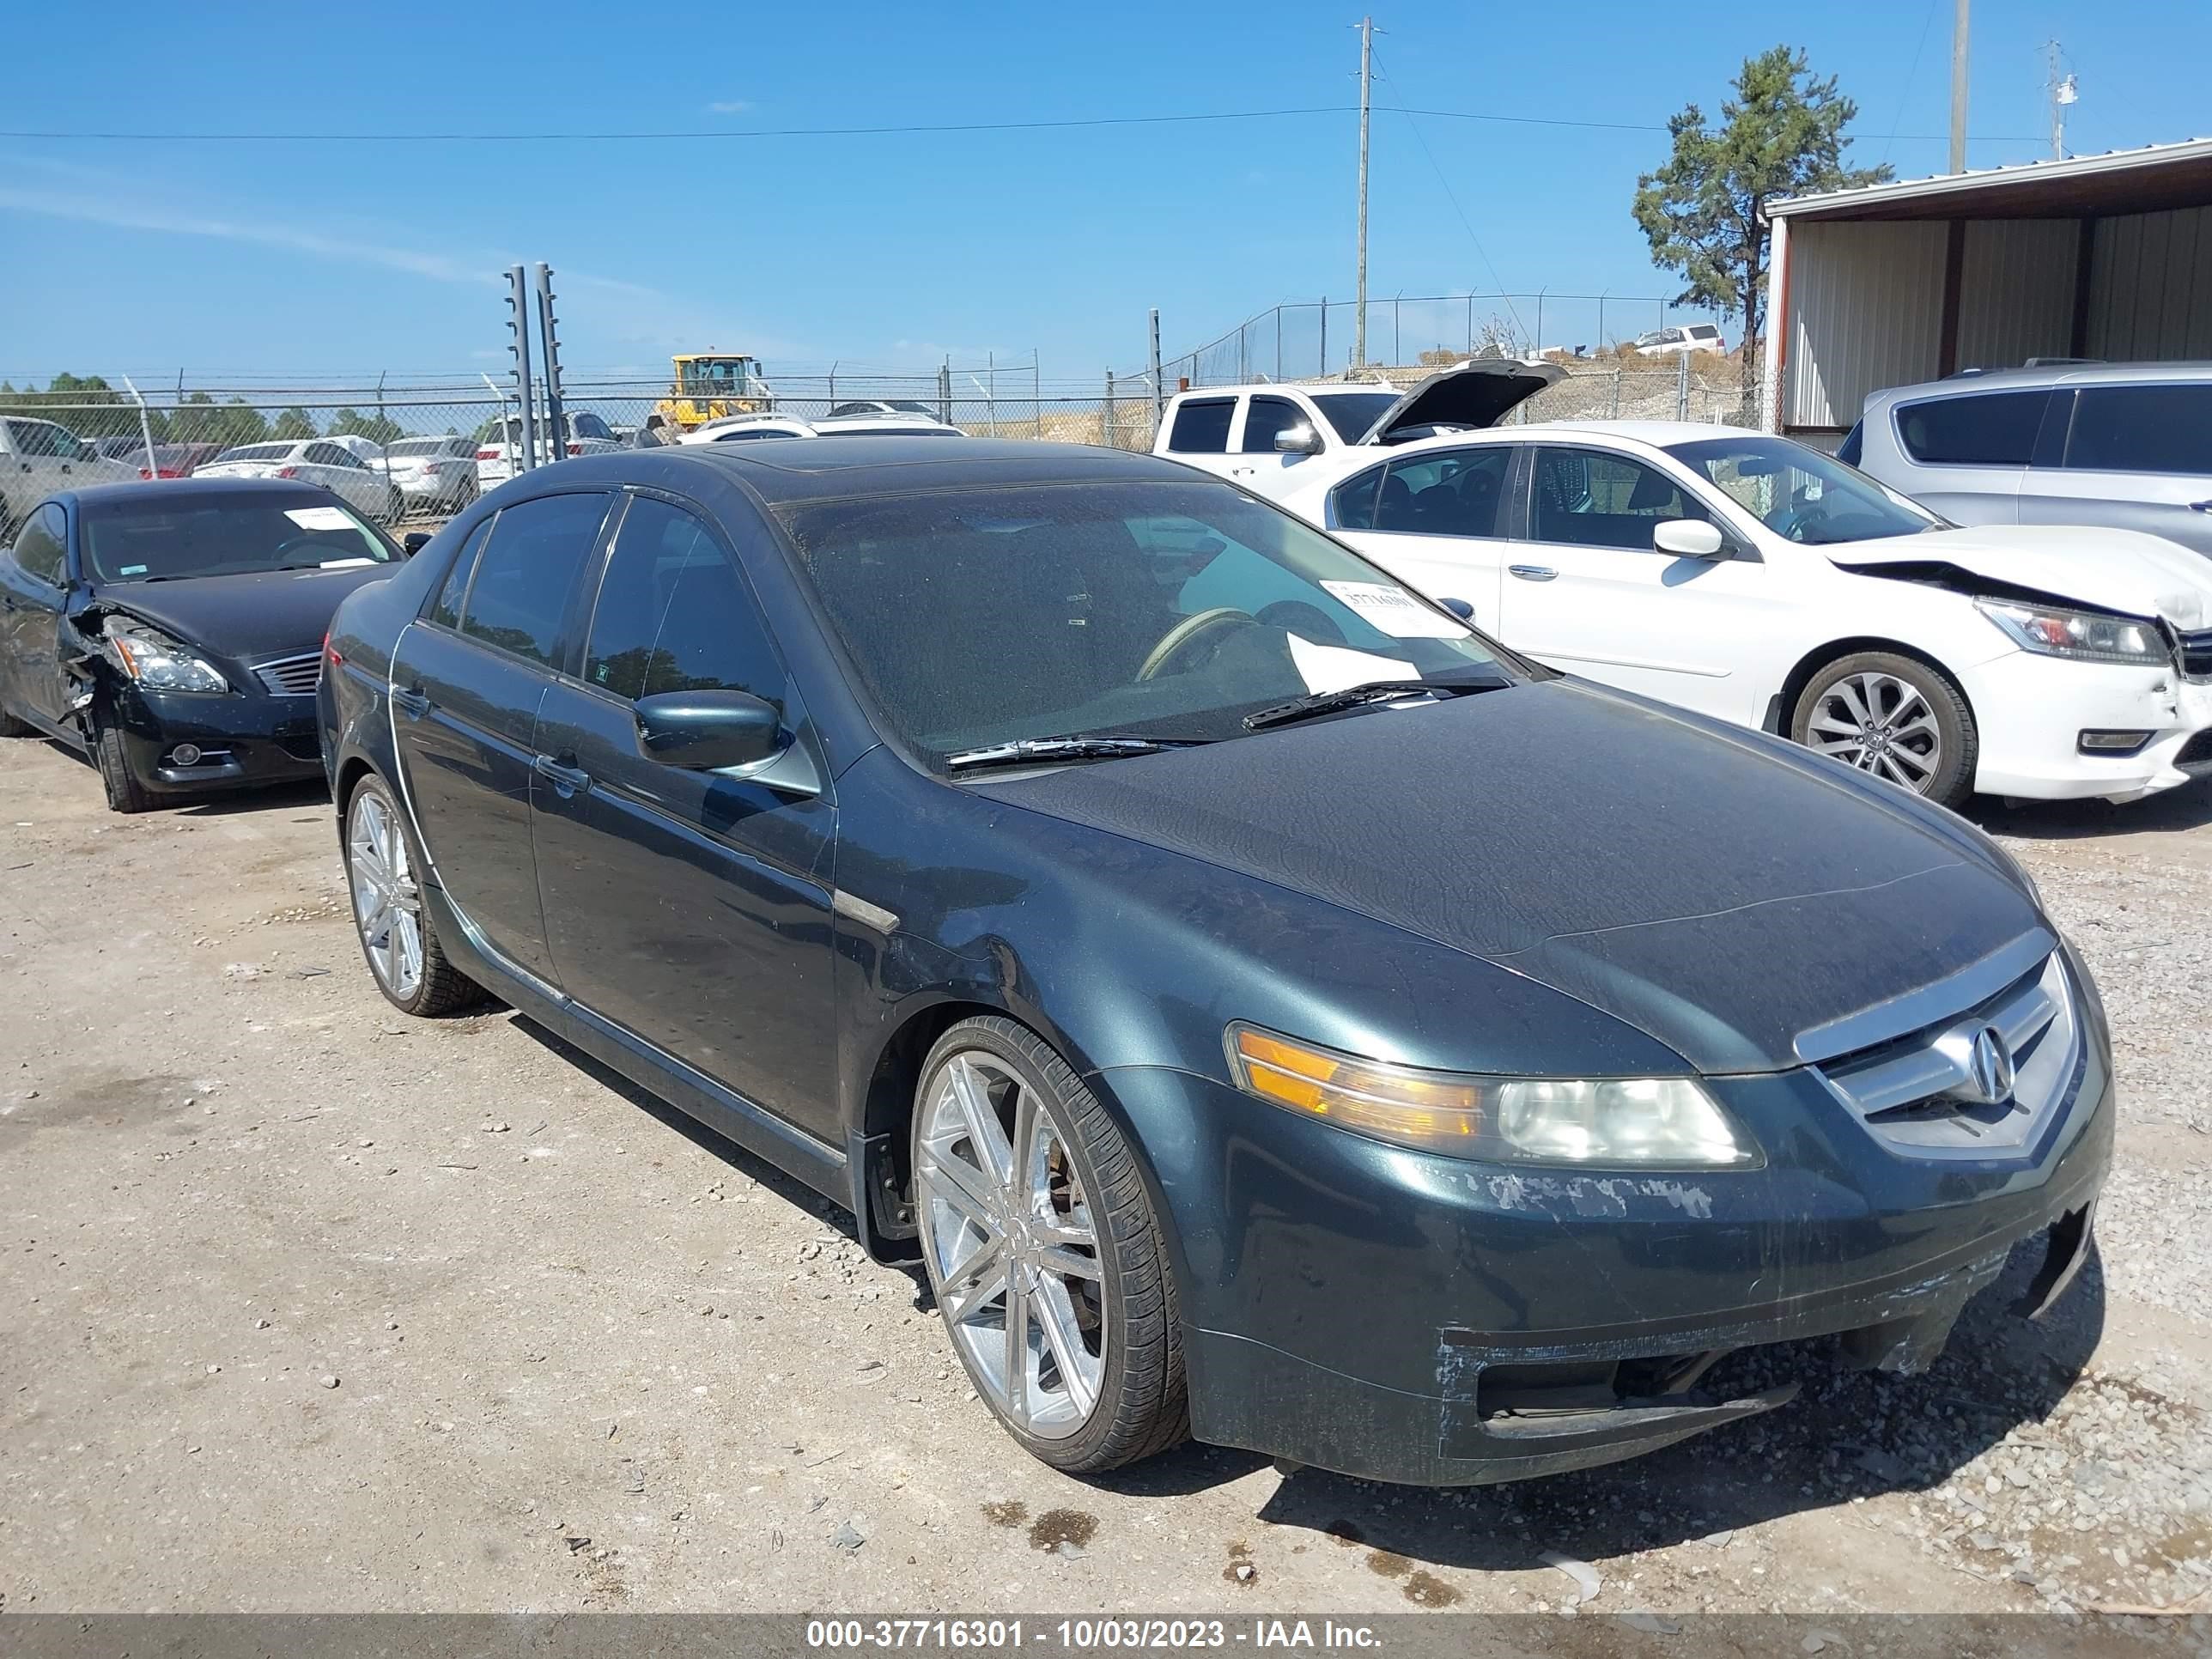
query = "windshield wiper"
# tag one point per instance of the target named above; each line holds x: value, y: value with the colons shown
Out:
x: 1352, y: 696
x: 1102, y: 746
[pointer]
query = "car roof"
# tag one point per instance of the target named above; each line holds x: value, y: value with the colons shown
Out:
x: 1659, y: 434
x: 147, y: 489
x: 1323, y: 389
x: 891, y: 462
x: 2048, y: 375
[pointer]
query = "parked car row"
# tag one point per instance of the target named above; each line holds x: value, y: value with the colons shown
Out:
x: 1268, y: 1005
x: 1756, y: 579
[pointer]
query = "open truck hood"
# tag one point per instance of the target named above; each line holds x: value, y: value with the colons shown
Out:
x: 1476, y: 393
x: 2118, y: 570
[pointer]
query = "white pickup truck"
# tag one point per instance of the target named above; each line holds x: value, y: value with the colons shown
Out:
x: 38, y: 457
x: 1258, y: 434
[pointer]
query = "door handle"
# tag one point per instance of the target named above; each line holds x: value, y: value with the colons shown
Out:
x: 414, y: 702
x: 565, y: 780
x: 1532, y: 573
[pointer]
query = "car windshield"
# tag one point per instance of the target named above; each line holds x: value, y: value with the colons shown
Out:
x: 137, y: 540
x: 1352, y: 412
x: 1169, y: 609
x: 1800, y: 493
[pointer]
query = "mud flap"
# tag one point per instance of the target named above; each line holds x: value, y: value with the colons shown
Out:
x: 2062, y: 1260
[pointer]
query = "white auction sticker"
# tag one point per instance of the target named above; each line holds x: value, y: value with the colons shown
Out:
x: 334, y: 517
x: 1395, y: 611
x: 1334, y: 667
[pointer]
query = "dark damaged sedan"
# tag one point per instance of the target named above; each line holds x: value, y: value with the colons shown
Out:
x: 174, y: 630
x: 1271, y: 1010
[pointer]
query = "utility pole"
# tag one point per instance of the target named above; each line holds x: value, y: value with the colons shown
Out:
x: 1366, y: 82
x: 2064, y: 91
x: 1959, y: 87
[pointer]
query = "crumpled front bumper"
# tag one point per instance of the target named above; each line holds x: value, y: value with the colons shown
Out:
x: 2031, y: 712
x: 247, y: 739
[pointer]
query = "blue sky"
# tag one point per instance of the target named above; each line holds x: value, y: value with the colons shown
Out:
x: 330, y: 256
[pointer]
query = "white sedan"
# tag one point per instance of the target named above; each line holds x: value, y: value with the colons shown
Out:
x: 1762, y: 582
x: 750, y: 428
x: 316, y: 461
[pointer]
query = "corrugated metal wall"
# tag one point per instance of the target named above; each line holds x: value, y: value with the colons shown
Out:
x: 2016, y: 291
x: 2150, y: 288
x: 1866, y: 302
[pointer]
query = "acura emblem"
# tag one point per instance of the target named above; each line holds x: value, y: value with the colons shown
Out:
x: 1990, y: 1065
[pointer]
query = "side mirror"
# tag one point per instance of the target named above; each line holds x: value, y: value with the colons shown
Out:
x: 708, y: 731
x: 414, y: 542
x: 1689, y: 538
x: 1300, y: 440
x: 1459, y: 608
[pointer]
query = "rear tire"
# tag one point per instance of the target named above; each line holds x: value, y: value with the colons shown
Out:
x: 1892, y: 716
x: 398, y: 941
x: 1054, y: 1205
x: 124, y: 793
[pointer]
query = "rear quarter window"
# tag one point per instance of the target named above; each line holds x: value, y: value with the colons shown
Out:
x: 1997, y: 429
x: 1201, y: 428
x: 2141, y: 429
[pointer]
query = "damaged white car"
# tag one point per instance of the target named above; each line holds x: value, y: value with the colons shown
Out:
x: 1759, y: 582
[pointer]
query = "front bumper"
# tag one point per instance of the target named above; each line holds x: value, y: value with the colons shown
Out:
x: 2031, y: 711
x: 246, y: 739
x: 1398, y: 1316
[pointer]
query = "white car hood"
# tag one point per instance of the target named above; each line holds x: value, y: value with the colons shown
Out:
x: 2121, y: 570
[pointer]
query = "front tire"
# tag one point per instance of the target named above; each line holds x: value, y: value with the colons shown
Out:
x: 124, y: 793
x: 398, y: 938
x: 1894, y: 716
x: 1043, y: 1252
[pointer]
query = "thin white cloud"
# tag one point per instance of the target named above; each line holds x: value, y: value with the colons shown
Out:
x: 729, y: 106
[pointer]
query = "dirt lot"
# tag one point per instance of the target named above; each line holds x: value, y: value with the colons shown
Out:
x: 306, y: 1306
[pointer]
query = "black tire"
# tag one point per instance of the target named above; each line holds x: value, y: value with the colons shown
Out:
x: 1143, y: 1406
x: 124, y: 793
x: 1950, y: 779
x: 443, y: 988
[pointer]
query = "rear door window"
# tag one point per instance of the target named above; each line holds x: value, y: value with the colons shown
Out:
x: 1997, y: 429
x: 2141, y: 429
x: 523, y: 580
x: 1265, y: 416
x: 1202, y: 428
x: 1459, y: 492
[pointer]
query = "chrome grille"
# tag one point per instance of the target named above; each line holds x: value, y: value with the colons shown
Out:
x: 1922, y: 1096
x: 2196, y: 655
x: 292, y: 677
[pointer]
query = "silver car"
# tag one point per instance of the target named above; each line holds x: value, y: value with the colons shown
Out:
x: 2123, y: 445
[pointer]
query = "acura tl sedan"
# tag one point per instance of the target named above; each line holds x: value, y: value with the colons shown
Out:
x: 1269, y: 1010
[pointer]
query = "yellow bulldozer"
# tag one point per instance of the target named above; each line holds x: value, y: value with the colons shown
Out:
x: 709, y: 386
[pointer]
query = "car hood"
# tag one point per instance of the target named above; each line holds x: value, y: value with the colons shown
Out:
x: 1474, y: 394
x: 1716, y: 893
x: 244, y: 616
x: 2121, y: 570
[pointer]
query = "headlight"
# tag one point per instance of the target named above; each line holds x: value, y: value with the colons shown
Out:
x: 1644, y: 1123
x: 2084, y: 635
x: 158, y: 662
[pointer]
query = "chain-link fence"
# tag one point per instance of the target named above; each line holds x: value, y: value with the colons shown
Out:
x: 415, y: 452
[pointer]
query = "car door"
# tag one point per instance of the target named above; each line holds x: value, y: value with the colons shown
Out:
x: 1256, y: 457
x: 467, y: 679
x: 33, y: 584
x: 1197, y: 433
x: 1585, y: 590
x: 691, y: 906
x: 2132, y: 457
x: 1438, y: 520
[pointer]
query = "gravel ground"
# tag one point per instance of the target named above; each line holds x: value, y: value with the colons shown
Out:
x: 306, y: 1306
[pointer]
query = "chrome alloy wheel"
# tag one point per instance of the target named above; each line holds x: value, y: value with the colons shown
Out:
x: 387, y: 907
x: 1880, y: 724
x: 1012, y: 1245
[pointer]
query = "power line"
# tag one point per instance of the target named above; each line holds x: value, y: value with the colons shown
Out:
x: 919, y: 128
